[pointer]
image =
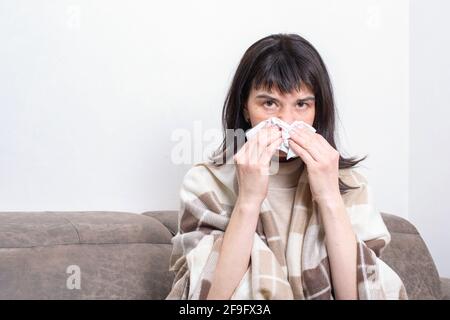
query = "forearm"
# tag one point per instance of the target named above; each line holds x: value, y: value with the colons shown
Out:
x: 235, y: 252
x: 341, y: 246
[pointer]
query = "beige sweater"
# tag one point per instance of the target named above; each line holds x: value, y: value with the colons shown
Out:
x: 281, y: 193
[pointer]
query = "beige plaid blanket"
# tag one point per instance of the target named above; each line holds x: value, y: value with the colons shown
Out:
x: 300, y: 270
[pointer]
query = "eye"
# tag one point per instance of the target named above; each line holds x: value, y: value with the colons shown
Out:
x: 269, y: 104
x: 301, y: 104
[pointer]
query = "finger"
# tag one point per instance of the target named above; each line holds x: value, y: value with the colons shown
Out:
x: 309, y: 143
x: 270, y: 151
x: 302, y: 153
x: 271, y: 135
x: 325, y: 144
x: 252, y: 144
x: 252, y: 152
x: 264, y: 139
x: 268, y: 134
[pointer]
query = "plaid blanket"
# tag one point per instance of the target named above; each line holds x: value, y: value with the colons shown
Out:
x: 301, y: 270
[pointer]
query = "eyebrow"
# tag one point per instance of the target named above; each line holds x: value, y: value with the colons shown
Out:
x: 266, y: 96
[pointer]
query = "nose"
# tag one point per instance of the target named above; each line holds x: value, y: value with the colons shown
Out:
x: 287, y: 115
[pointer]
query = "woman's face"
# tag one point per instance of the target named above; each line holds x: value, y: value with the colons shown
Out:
x: 295, y: 106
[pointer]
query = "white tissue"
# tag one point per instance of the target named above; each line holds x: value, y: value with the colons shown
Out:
x: 286, y: 128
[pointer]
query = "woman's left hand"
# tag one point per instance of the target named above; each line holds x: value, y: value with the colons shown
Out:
x: 322, y: 162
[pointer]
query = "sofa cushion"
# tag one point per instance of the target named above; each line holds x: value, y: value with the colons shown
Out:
x: 104, y: 271
x: 30, y: 229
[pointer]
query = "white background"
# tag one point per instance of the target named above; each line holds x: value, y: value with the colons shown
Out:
x: 92, y: 91
x: 429, y: 178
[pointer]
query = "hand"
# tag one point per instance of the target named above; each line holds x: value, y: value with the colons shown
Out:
x: 322, y: 162
x: 253, y: 163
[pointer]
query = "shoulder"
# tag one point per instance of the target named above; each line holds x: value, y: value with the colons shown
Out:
x: 366, y: 218
x: 205, y: 177
x: 196, y: 176
x: 353, y: 177
x: 202, y: 171
x: 361, y: 192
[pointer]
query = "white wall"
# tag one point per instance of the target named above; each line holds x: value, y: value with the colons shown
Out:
x: 429, y: 127
x: 92, y: 91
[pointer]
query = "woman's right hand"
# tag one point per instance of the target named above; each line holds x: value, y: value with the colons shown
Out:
x: 253, y: 163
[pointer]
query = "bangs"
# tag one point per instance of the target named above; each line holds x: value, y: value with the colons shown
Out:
x: 282, y: 72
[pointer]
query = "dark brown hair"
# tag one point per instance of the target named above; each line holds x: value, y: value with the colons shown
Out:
x: 284, y: 61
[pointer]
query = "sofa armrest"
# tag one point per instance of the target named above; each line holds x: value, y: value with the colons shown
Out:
x: 445, y: 288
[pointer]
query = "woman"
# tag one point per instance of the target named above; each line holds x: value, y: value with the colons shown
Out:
x: 309, y: 231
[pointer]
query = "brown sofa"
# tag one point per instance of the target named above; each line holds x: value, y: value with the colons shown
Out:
x: 122, y: 255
